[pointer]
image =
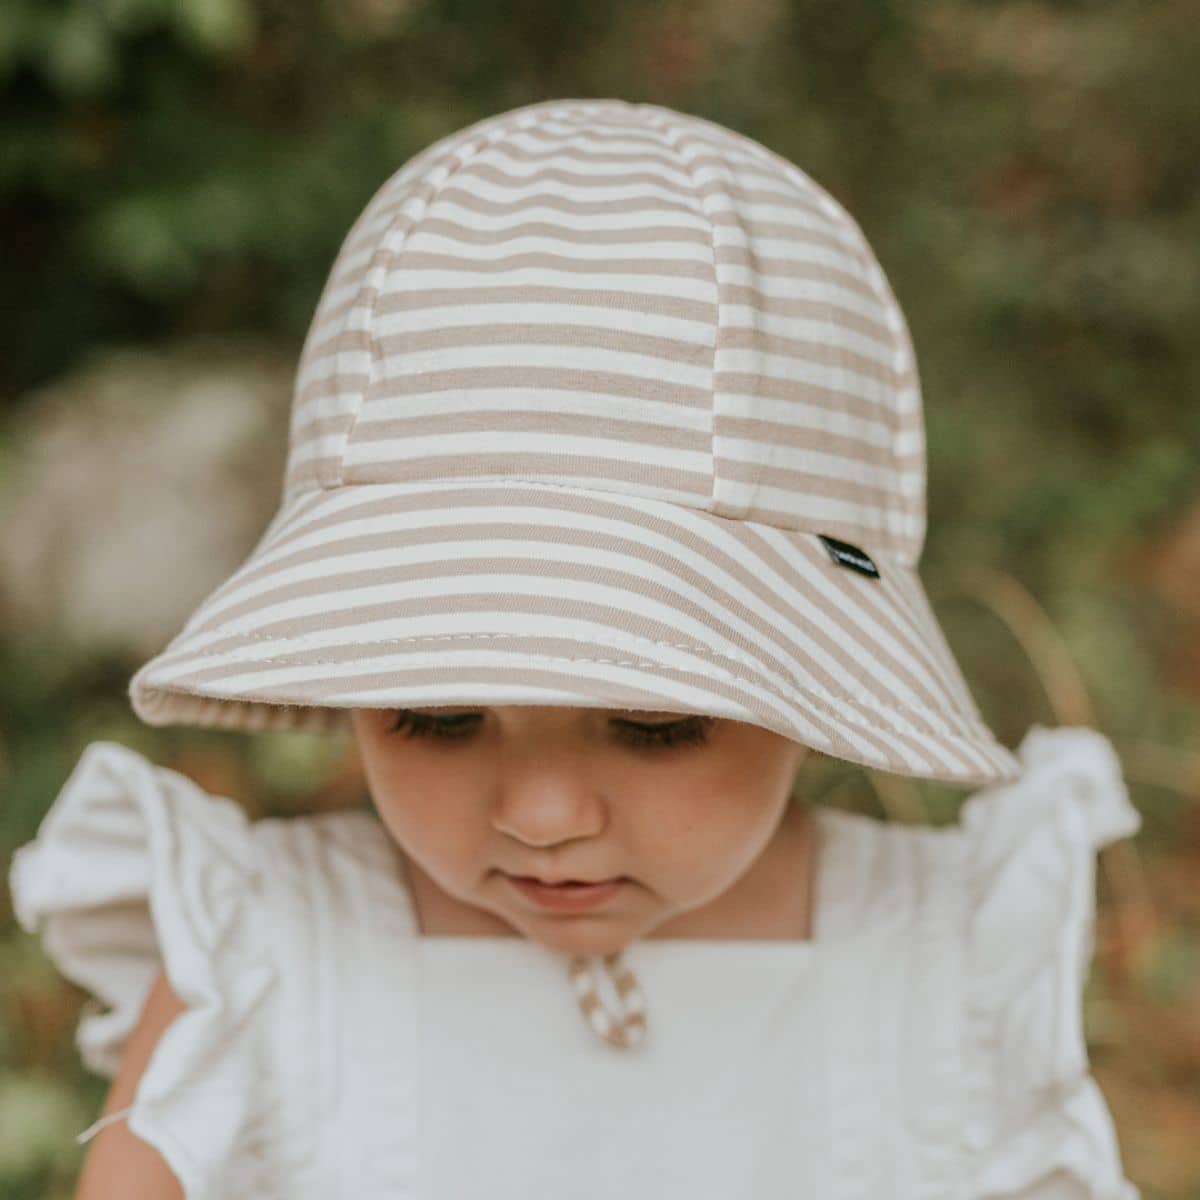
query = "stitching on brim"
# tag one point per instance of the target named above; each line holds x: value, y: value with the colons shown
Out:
x: 937, y: 724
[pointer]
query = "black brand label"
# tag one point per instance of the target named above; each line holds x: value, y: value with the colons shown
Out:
x: 846, y: 555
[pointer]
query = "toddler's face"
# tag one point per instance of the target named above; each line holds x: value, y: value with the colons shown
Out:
x: 683, y: 807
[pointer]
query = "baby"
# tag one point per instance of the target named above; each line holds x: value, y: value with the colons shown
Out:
x: 602, y: 514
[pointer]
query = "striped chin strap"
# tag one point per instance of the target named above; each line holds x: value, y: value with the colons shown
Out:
x: 626, y: 1029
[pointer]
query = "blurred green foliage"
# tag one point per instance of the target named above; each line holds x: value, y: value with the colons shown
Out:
x: 1027, y: 175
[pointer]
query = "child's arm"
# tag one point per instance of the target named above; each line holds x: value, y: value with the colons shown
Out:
x: 120, y: 1163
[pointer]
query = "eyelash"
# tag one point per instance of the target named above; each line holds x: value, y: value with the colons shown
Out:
x: 688, y: 731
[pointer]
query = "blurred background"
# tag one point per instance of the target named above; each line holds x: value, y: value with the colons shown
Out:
x: 177, y: 175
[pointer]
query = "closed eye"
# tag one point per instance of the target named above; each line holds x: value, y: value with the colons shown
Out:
x: 415, y: 724
x: 689, y: 730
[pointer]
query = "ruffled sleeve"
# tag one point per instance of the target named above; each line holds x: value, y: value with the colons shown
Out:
x: 1037, y: 1124
x: 136, y: 867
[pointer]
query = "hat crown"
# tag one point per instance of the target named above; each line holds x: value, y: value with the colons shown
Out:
x: 617, y: 296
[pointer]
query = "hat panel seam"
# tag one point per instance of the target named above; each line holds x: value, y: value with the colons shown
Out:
x: 704, y: 191
x: 855, y: 241
x: 387, y: 203
x: 877, y: 548
x: 718, y: 324
x: 460, y: 155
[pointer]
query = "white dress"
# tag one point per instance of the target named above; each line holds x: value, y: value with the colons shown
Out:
x: 926, y: 1043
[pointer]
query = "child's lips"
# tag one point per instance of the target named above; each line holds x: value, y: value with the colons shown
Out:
x: 561, y: 882
x: 566, y: 896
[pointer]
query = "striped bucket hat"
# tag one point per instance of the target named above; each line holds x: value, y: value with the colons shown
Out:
x: 602, y: 405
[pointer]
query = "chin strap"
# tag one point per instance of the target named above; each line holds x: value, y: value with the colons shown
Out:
x: 629, y: 1028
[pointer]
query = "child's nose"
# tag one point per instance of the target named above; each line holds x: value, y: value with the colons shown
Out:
x: 544, y: 797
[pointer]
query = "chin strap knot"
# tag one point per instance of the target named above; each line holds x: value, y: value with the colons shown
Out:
x: 627, y: 1029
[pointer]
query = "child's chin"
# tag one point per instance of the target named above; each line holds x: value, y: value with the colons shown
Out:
x: 580, y: 935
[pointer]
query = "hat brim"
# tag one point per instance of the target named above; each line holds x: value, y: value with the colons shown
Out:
x: 521, y: 592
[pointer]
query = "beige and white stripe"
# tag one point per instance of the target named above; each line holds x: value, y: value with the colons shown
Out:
x: 625, y: 1029
x: 586, y: 381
